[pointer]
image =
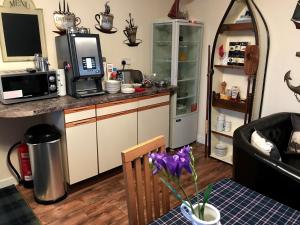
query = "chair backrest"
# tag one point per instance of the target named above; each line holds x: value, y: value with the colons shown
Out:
x: 144, y: 190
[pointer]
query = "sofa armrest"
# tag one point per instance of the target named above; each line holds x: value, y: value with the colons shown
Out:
x: 284, y: 169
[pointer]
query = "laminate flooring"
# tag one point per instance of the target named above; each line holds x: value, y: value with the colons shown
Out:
x: 104, y: 202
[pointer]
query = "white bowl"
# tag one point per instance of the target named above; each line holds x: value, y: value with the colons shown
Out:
x: 135, y: 85
x: 127, y: 90
x: 126, y: 86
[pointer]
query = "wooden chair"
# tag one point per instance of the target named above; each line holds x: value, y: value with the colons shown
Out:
x: 143, y: 188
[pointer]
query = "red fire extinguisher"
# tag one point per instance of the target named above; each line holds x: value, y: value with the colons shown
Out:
x: 24, y: 161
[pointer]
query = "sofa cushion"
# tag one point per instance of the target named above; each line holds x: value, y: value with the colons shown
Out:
x: 265, y: 146
x: 294, y: 143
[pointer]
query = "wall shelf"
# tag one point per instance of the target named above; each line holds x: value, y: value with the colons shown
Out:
x: 223, y: 133
x: 226, y: 159
x: 229, y: 67
x: 237, y: 27
x: 238, y: 106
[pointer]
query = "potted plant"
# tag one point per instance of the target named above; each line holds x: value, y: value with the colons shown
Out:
x: 169, y: 169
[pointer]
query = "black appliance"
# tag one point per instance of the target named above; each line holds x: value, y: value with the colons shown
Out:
x: 80, y: 56
x: 22, y: 86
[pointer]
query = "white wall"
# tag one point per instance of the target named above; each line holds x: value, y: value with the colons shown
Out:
x: 144, y: 13
x: 284, y: 44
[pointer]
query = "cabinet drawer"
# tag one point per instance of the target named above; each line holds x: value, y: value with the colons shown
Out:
x: 80, y: 113
x: 116, y: 107
x: 152, y: 100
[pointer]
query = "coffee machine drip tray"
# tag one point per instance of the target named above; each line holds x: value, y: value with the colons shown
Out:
x: 87, y: 93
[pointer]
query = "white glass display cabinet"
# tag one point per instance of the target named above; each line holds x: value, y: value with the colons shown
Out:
x: 176, y: 58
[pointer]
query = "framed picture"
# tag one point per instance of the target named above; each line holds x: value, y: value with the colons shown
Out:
x: 22, y: 31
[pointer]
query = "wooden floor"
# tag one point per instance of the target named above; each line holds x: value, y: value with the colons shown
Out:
x: 104, y: 203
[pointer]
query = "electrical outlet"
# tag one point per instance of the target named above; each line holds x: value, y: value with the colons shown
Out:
x: 127, y: 60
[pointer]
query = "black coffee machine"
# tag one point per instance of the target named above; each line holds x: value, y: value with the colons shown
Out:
x: 80, y: 56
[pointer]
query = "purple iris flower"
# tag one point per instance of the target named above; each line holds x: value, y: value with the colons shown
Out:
x: 185, y: 151
x: 173, y: 164
x: 157, y: 159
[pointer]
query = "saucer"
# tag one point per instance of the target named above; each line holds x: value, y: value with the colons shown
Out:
x: 138, y: 41
x: 112, y: 31
x: 60, y: 32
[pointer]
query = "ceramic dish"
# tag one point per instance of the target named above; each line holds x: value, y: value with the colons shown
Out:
x: 126, y: 86
x: 135, y: 85
x: 127, y: 90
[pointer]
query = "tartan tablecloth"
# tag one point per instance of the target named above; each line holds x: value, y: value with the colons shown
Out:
x: 239, y: 205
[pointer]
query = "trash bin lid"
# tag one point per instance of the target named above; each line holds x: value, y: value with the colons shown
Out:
x: 41, y: 133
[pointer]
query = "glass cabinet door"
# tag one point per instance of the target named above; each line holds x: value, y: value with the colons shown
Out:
x: 188, y: 68
x: 162, y: 51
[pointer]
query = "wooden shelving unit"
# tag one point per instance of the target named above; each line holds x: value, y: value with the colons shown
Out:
x: 237, y: 27
x: 237, y: 112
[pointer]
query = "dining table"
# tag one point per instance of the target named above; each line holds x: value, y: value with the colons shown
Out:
x: 238, y: 205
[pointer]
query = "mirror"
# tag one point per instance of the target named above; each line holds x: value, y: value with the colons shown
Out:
x: 22, y: 31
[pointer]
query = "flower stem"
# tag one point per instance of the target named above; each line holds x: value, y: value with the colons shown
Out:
x: 195, y: 176
x: 187, y: 197
x: 197, y: 196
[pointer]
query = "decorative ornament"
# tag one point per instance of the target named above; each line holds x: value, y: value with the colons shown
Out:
x: 221, y: 51
x: 105, y: 21
x: 175, y: 13
x: 295, y: 89
x: 130, y: 32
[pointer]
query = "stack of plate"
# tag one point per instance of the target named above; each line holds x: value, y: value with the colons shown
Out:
x: 113, y: 86
x: 221, y: 150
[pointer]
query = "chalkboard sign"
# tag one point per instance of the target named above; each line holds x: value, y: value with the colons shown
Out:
x: 22, y: 31
x: 21, y: 34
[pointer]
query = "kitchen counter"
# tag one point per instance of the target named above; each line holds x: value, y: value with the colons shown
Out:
x: 40, y: 107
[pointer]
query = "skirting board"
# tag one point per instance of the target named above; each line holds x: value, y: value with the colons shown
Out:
x: 8, y: 181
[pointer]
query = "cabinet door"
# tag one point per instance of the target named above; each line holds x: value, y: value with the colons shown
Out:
x: 153, y: 122
x: 162, y: 50
x: 82, y: 149
x: 115, y: 134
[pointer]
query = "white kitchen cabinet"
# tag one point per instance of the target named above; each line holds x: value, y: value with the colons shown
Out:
x: 153, y: 118
x: 116, y: 130
x: 81, y: 143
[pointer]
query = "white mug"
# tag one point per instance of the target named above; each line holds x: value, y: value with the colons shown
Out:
x: 221, y: 117
x: 220, y: 125
x: 227, y: 126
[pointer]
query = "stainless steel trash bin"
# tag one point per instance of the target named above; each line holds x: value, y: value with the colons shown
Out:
x: 44, y: 145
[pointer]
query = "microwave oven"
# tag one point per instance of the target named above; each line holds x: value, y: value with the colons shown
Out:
x: 22, y: 86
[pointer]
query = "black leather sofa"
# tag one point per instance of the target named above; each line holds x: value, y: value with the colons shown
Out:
x: 251, y: 168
